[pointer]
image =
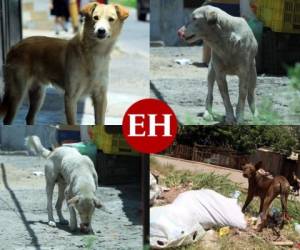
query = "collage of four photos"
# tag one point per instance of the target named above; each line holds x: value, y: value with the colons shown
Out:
x: 149, y: 124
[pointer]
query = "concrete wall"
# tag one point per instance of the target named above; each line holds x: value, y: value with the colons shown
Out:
x: 12, y: 137
x: 166, y: 17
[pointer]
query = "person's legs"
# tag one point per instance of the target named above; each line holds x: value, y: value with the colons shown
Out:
x: 57, y: 25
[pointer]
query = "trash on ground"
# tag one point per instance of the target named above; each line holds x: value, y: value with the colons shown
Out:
x: 283, y: 243
x: 183, y: 61
x: 253, y: 221
x: 297, y: 227
x: 38, y: 173
x: 224, y: 231
x: 183, y: 221
x: 236, y: 194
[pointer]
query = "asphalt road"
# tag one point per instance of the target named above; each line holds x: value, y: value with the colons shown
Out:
x: 129, y: 78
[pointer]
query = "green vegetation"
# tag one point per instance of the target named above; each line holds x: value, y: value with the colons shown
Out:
x: 243, y: 139
x: 267, y: 114
x: 128, y: 3
x: 89, y: 241
x: 294, y: 75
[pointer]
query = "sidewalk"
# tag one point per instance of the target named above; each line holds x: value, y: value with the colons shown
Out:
x: 129, y: 78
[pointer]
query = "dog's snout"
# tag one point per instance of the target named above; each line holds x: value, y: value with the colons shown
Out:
x: 181, y: 33
x: 101, y: 32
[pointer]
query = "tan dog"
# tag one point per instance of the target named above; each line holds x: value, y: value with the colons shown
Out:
x: 267, y: 189
x: 79, y: 66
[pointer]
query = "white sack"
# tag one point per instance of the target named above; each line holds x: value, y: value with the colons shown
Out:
x: 182, y: 221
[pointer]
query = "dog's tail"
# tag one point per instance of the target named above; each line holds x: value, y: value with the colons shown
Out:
x: 33, y: 143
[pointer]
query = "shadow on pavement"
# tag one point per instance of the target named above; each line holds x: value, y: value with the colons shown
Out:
x: 34, y: 239
x: 131, y: 196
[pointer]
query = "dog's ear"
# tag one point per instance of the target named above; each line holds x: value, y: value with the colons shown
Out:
x: 211, y: 17
x: 258, y: 165
x: 97, y: 203
x: 73, y: 201
x: 88, y: 9
x: 122, y: 12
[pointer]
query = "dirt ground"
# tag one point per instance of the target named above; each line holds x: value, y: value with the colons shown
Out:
x: 184, y: 88
x: 23, y: 215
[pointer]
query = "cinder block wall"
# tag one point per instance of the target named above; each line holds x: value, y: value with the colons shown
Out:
x: 36, y: 14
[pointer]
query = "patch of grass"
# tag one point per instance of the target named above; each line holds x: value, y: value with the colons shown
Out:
x: 267, y: 114
x: 128, y: 3
x: 174, y: 178
x: 89, y: 241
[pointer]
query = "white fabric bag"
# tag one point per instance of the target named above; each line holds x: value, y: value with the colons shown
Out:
x: 182, y: 222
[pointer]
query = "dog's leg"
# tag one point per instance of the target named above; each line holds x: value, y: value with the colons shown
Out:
x: 15, y: 92
x: 73, y: 220
x: 248, y: 200
x: 251, y: 89
x: 36, y: 98
x: 270, y: 196
x: 284, y: 199
x: 243, y: 90
x: 11, y: 110
x: 100, y: 104
x: 49, y: 190
x: 223, y: 87
x: 262, y: 199
x: 70, y: 109
x: 58, y: 206
x: 211, y: 77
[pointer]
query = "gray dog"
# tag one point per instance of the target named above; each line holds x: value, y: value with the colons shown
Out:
x: 234, y: 48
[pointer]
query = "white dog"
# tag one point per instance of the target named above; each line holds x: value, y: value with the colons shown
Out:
x: 234, y: 48
x: 77, y: 181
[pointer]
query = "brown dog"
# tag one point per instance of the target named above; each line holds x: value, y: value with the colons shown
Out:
x: 80, y: 66
x: 267, y: 189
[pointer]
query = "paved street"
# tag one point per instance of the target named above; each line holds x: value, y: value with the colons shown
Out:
x: 24, y: 216
x: 129, y: 78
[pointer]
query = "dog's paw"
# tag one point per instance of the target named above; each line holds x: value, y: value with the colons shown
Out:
x: 73, y: 226
x: 208, y: 116
x: 52, y: 223
x: 230, y: 120
x: 64, y: 222
x: 73, y: 229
